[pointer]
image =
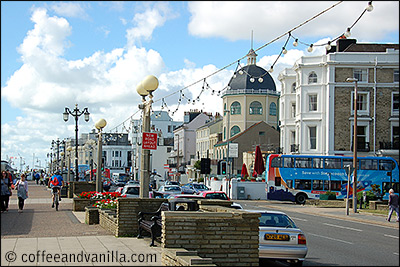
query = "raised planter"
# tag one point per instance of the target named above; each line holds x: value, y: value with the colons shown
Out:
x: 79, y: 204
x: 91, y: 215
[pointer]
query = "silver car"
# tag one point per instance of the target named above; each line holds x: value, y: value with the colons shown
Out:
x: 131, y: 190
x: 280, y: 238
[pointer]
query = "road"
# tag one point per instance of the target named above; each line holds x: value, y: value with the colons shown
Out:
x: 341, y: 242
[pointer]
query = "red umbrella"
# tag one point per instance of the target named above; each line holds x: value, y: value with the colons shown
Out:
x: 244, y: 172
x: 259, y: 165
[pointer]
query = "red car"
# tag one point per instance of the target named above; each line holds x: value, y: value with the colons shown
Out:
x: 214, y: 195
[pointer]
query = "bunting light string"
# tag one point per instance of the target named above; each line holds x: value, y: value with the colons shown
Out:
x: 369, y: 8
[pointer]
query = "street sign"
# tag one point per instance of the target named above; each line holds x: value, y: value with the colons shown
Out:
x: 233, y: 150
x: 149, y: 141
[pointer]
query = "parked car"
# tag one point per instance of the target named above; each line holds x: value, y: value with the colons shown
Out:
x: 167, y: 190
x: 119, y: 183
x: 132, y: 182
x: 189, y: 196
x: 280, y: 239
x: 214, y: 195
x: 194, y: 188
x: 130, y: 191
x: 172, y: 183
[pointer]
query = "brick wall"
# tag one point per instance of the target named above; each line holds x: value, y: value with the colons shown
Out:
x: 79, y: 204
x: 228, y: 236
x: 108, y: 220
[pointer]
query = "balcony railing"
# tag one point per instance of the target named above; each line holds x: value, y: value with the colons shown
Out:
x: 250, y: 91
x: 361, y: 147
x: 389, y: 145
x: 294, y: 148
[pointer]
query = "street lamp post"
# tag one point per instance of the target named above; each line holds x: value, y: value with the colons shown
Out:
x: 146, y: 87
x: 76, y: 113
x: 354, y: 144
x: 99, y: 125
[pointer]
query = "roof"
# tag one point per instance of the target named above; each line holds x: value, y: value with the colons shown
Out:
x: 242, y: 81
x: 221, y: 143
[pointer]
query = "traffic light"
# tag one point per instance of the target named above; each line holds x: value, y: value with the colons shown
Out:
x: 205, y: 166
x: 223, y: 167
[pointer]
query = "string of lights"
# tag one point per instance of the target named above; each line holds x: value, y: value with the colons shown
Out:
x: 206, y: 86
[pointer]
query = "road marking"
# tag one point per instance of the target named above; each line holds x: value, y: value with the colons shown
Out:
x: 331, y: 238
x: 299, y: 219
x: 391, y: 236
x: 338, y: 226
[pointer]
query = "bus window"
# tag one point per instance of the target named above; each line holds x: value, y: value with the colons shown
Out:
x: 347, y: 162
x: 368, y: 164
x: 289, y: 183
x: 335, y: 185
x: 318, y: 163
x: 395, y: 187
x: 278, y: 181
x: 302, y: 184
x: 317, y: 185
x: 303, y: 162
x: 277, y: 162
x: 386, y: 165
x: 333, y: 164
x: 288, y: 162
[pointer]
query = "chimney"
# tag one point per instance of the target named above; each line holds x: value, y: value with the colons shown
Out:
x: 342, y: 44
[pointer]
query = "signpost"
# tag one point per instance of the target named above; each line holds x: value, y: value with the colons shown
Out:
x: 348, y: 170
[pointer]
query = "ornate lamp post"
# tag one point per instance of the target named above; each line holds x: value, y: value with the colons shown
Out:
x: 99, y: 125
x: 354, y: 144
x: 76, y: 113
x: 146, y: 87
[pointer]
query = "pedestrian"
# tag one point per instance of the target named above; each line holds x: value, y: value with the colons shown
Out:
x: 363, y: 200
x: 393, y: 205
x: 22, y: 192
x: 5, y: 191
x: 37, y: 177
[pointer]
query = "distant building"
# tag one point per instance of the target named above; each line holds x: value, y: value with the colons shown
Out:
x: 316, y: 104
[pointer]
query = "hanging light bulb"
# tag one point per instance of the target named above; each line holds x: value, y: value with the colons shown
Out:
x: 194, y: 101
x: 295, y: 43
x: 252, y: 79
x: 212, y: 92
x: 234, y: 75
x: 284, y: 51
x: 347, y: 33
x: 218, y: 93
x: 260, y: 80
x: 240, y: 72
x: 271, y: 69
x: 370, y: 7
x: 310, y: 48
x: 328, y: 46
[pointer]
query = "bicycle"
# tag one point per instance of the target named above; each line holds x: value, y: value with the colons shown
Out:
x: 56, y: 201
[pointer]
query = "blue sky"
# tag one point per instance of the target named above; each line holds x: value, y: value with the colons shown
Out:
x: 56, y: 54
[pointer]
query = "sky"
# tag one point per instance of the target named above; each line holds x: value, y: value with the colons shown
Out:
x: 57, y: 54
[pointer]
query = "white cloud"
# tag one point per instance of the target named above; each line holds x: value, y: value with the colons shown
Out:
x: 148, y: 21
x: 270, y: 19
x: 69, y: 9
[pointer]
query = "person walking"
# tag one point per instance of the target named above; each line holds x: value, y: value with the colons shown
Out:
x: 5, y: 191
x: 393, y: 205
x: 22, y: 192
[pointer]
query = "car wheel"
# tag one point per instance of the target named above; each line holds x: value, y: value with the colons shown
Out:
x: 301, y: 199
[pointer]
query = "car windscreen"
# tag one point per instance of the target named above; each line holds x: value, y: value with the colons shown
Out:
x: 201, y: 186
x: 216, y: 196
x: 132, y: 190
x: 172, y: 188
x: 276, y: 220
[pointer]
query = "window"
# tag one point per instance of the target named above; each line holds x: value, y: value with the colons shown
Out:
x: 318, y: 163
x: 289, y: 183
x: 395, y: 136
x: 235, y: 108
x: 318, y: 185
x: 278, y: 181
x: 294, y: 87
x: 362, y: 103
x: 312, y: 78
x: 302, y: 184
x: 312, y: 103
x: 334, y: 185
x: 235, y: 130
x: 361, y: 75
x: 368, y: 164
x: 313, y: 137
x: 255, y: 108
x: 292, y: 137
x: 303, y: 162
x: 333, y: 164
x: 293, y: 110
x: 395, y: 103
x: 396, y: 76
x: 277, y: 162
x: 272, y: 109
x: 288, y: 162
x: 169, y: 129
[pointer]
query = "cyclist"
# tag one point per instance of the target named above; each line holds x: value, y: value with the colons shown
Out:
x: 56, y: 182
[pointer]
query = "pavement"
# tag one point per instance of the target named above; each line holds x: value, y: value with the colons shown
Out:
x: 42, y: 236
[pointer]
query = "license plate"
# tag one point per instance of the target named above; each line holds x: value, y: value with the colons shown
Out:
x: 276, y: 237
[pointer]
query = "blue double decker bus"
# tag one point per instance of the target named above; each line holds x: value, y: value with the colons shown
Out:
x: 299, y: 177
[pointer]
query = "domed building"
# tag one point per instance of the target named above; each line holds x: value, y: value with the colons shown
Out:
x: 250, y: 97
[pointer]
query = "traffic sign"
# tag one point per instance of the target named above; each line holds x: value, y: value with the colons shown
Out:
x: 149, y: 141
